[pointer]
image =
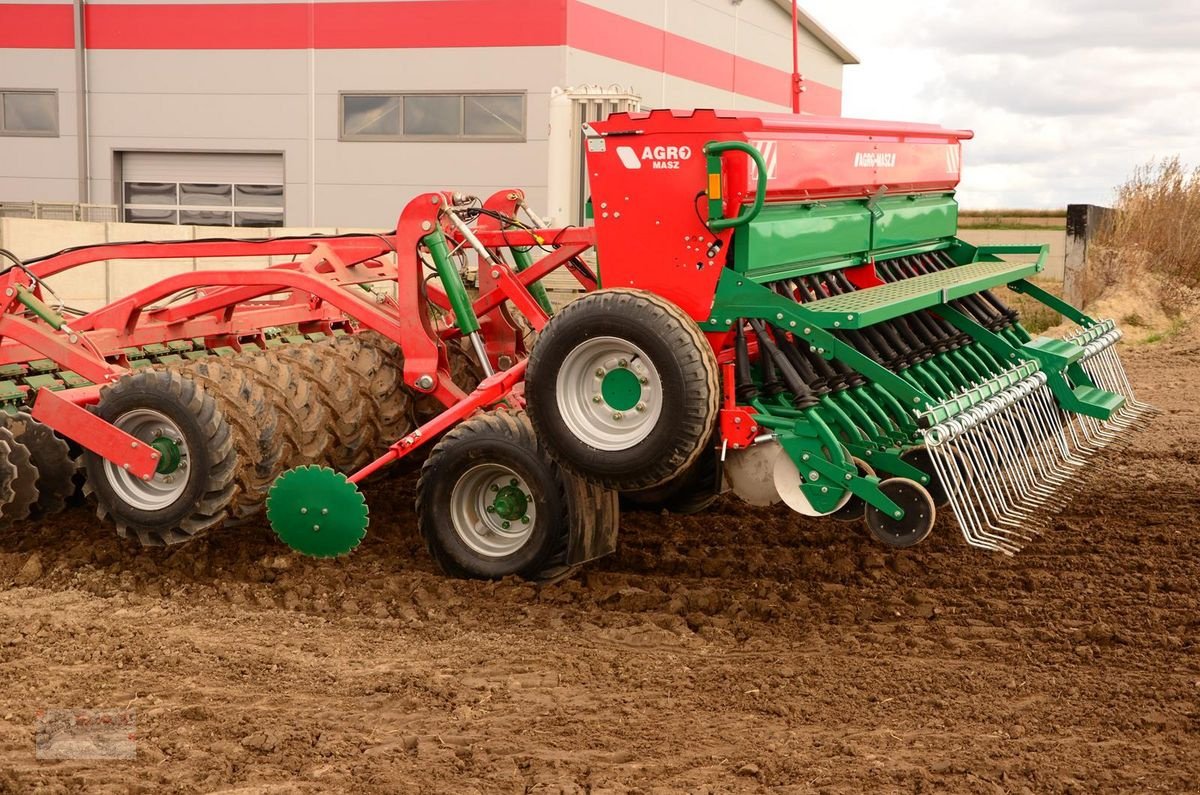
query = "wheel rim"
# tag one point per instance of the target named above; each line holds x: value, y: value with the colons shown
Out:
x: 164, y: 487
x: 609, y: 393
x: 493, y: 510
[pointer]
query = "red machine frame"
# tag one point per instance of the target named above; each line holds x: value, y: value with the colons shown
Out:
x: 314, y: 291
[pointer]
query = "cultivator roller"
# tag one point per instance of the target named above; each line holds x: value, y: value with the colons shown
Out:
x: 792, y: 292
x: 213, y: 397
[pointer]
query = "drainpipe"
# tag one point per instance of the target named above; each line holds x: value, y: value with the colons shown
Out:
x: 797, y: 80
x: 81, y: 104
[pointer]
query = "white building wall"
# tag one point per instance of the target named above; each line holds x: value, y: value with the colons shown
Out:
x: 756, y: 30
x: 286, y: 101
x: 41, y: 168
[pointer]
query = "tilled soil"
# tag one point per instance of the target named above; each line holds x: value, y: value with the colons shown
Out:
x: 741, y: 650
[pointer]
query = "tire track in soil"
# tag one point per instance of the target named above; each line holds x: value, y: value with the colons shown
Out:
x: 740, y: 650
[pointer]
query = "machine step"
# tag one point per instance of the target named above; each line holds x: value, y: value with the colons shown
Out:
x: 873, y: 305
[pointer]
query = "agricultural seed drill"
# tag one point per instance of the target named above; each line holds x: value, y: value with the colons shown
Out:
x: 784, y: 308
x: 786, y: 304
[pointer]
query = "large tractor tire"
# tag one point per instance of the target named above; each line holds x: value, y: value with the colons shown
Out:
x: 623, y: 389
x: 195, y: 484
x: 344, y: 404
x: 261, y: 442
x: 491, y: 503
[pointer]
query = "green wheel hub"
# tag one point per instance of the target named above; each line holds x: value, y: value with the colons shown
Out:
x: 621, y: 389
x: 510, y: 503
x: 169, y: 455
x: 317, y: 511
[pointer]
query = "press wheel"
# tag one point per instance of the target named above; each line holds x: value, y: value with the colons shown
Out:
x: 916, y: 523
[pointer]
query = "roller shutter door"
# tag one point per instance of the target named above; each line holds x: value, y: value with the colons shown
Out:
x: 210, y: 188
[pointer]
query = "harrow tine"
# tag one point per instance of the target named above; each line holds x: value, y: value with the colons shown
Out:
x: 959, y: 481
x: 1006, y: 460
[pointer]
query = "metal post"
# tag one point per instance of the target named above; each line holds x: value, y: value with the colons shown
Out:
x: 796, y: 79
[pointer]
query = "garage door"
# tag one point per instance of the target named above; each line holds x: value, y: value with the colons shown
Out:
x: 204, y: 188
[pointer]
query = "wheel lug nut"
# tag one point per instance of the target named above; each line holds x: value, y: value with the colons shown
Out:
x: 641, y: 407
x: 617, y: 415
x: 597, y: 399
x: 504, y: 525
x: 491, y: 509
x: 599, y: 372
x: 524, y: 520
x: 623, y: 363
x: 512, y: 482
x: 495, y: 487
x: 644, y: 380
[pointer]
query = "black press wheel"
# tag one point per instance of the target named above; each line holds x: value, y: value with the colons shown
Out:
x: 917, y: 522
x: 491, y: 503
x: 623, y: 389
x: 193, y: 486
x: 922, y: 459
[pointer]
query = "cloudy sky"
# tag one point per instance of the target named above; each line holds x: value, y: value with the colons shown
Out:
x: 1065, y: 97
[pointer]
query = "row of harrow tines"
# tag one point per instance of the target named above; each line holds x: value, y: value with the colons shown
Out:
x: 997, y: 444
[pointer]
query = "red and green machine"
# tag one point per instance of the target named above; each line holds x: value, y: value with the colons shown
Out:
x: 774, y: 305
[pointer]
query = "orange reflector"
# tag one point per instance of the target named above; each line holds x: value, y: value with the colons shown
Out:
x: 714, y: 187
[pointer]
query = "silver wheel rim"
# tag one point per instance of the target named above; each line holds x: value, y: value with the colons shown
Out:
x: 161, y: 490
x: 584, y: 405
x: 491, y: 533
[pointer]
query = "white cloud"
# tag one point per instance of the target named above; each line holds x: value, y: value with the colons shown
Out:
x: 1066, y: 98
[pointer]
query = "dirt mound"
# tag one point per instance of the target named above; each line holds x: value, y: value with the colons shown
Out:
x: 1147, y: 305
x: 740, y: 650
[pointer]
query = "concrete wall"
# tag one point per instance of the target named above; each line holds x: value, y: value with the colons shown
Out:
x: 1057, y: 238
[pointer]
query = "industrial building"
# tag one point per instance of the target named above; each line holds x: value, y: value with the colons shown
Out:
x: 335, y: 113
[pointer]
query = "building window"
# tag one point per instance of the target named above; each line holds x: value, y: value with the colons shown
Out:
x: 28, y: 112
x: 203, y: 204
x: 433, y: 117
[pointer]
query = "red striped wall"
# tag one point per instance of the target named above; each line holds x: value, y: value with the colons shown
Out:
x: 614, y: 36
x: 405, y: 25
x: 37, y: 26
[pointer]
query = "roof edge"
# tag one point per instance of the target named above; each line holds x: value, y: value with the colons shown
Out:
x: 822, y: 33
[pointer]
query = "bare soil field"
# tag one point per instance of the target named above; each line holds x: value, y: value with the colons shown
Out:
x: 743, y: 650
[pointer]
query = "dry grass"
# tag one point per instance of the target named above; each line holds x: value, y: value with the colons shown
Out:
x: 1158, y: 221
